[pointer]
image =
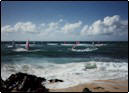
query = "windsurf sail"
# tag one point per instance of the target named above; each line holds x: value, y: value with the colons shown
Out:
x: 93, y: 44
x: 27, y: 45
x: 13, y: 44
x: 77, y: 42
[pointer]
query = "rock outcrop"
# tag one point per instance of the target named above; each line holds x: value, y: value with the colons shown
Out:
x: 86, y: 90
x: 22, y: 82
x: 55, y: 80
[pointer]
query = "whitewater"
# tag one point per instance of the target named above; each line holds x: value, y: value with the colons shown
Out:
x: 72, y: 73
x: 74, y: 66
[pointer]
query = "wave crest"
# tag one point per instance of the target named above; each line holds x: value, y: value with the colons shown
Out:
x: 71, y: 73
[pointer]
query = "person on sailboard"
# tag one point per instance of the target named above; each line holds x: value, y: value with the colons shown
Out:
x: 13, y: 44
x: 27, y: 45
x: 77, y: 42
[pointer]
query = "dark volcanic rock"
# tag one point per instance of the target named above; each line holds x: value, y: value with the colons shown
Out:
x: 55, y: 80
x: 3, y: 86
x: 58, y: 80
x: 22, y: 82
x: 86, y: 90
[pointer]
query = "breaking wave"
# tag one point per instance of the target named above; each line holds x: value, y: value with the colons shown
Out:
x: 72, y: 73
x: 20, y: 50
x: 84, y: 50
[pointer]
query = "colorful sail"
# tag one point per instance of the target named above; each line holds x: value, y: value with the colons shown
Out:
x: 27, y: 45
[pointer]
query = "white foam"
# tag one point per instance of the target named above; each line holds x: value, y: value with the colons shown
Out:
x: 84, y: 50
x: 77, y: 44
x: 25, y: 50
x: 51, y: 44
x: 10, y: 46
x: 84, y: 45
x: 72, y: 73
x: 99, y: 45
x: 20, y: 49
x: 67, y: 44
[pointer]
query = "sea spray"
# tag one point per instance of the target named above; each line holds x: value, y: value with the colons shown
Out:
x: 71, y: 73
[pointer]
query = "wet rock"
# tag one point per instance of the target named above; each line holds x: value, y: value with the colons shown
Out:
x: 2, y: 82
x: 10, y: 81
x: 42, y: 90
x: 14, y: 90
x: 22, y: 85
x: 22, y: 82
x: 29, y: 90
x: 55, y: 80
x: 86, y: 90
x: 3, y: 86
x: 98, y: 88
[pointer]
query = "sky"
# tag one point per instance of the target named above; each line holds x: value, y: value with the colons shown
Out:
x: 64, y: 20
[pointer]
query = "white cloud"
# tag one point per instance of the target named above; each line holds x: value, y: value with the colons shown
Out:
x: 50, y: 28
x: 26, y: 27
x: 70, y: 27
x: 109, y: 26
x: 111, y: 20
x: 7, y: 28
x: 20, y: 27
x: 61, y: 20
x: 68, y: 31
x: 55, y: 28
x: 42, y: 25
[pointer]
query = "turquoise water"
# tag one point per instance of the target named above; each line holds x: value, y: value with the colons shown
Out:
x: 85, y: 62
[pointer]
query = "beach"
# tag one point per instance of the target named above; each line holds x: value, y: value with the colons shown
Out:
x: 64, y: 46
x: 20, y: 82
x: 98, y: 86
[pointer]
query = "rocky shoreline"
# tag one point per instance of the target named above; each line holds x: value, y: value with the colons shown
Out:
x: 23, y: 82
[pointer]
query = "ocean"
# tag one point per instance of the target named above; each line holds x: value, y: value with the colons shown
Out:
x: 86, y: 62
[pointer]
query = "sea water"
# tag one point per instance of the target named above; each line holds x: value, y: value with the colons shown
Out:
x: 82, y: 64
